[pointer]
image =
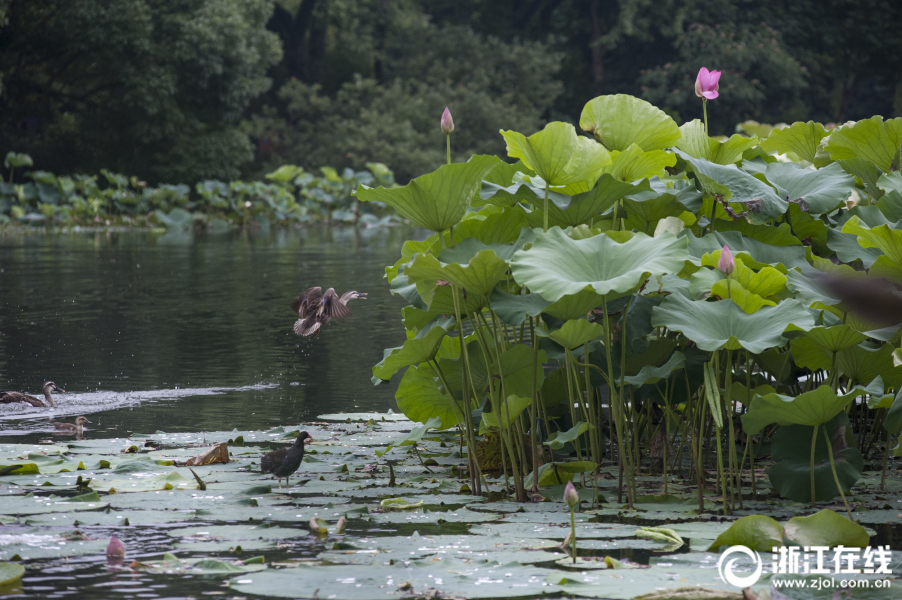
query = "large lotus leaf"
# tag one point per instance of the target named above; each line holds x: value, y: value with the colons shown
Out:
x: 715, y: 325
x: 867, y: 172
x: 816, y: 407
x: 835, y: 338
x: 506, y: 173
x: 801, y: 138
x: 514, y: 310
x: 884, y: 238
x: 820, y: 191
x: 893, y: 420
x: 512, y: 407
x: 849, y: 250
x: 783, y: 257
x: 748, y: 301
x: 497, y: 228
x: 576, y: 333
x: 862, y: 365
x: 738, y: 187
x: 791, y: 474
x: 574, y: 306
x: 558, y: 155
x: 440, y: 299
x: 756, y: 532
x: 682, y: 191
x: 421, y: 397
x: 585, y: 207
x: 466, y: 249
x: 634, y: 164
x: 415, y: 350
x: 767, y: 281
x: 651, y: 373
x: 556, y: 265
x: 439, y: 200
x: 523, y: 189
x: 517, y: 364
x: 890, y: 182
x: 698, y: 145
x: 10, y: 573
x: 479, y: 275
x: 618, y: 121
x: 644, y: 216
x: 826, y: 529
x: 872, y: 139
x: 557, y: 440
x: 807, y: 289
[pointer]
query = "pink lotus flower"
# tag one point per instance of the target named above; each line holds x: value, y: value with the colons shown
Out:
x: 706, y: 84
x: 726, y: 264
x: 447, y: 122
x: 115, y: 550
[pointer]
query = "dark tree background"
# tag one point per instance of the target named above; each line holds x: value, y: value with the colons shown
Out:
x: 192, y: 89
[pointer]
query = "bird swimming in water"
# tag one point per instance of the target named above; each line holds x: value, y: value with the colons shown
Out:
x: 76, y: 427
x: 315, y: 309
x: 285, y: 461
x: 13, y: 397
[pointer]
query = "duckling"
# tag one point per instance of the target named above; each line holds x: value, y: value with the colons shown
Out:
x: 13, y: 397
x: 285, y: 461
x: 316, y: 309
x: 76, y: 427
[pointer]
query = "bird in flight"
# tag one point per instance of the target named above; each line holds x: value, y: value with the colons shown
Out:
x: 315, y: 309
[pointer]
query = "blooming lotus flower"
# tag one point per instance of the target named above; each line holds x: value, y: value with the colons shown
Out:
x: 571, y: 498
x: 706, y: 84
x: 447, y: 122
x: 726, y: 264
x: 115, y: 549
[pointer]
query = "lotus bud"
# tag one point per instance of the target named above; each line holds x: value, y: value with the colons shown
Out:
x: 726, y: 264
x: 571, y: 498
x: 115, y: 549
x: 706, y: 84
x: 447, y: 122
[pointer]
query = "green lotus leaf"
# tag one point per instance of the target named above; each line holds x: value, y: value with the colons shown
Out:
x: 558, y: 155
x: 884, y: 238
x: 583, y: 208
x: 807, y: 290
x: 682, y: 191
x: 742, y: 394
x: 826, y: 529
x: 416, y: 434
x: 867, y: 172
x: 415, y: 350
x: 513, y: 406
x: 644, y: 216
x: 421, y: 398
x: 516, y: 366
x: 782, y: 257
x: 821, y: 191
x: 748, y: 301
x: 791, y: 449
x: 863, y: 365
x: 816, y: 407
x: 576, y: 333
x: 872, y: 139
x: 619, y: 121
x: 715, y: 325
x: 849, y: 250
x: 652, y: 374
x: 10, y: 573
x: 893, y: 420
x: 801, y: 138
x: 756, y: 532
x: 513, y: 310
x: 698, y: 145
x: 502, y: 227
x: 439, y: 200
x: 558, y: 439
x: 634, y: 163
x: 479, y: 275
x: 767, y: 281
x: 574, y: 306
x: 557, y: 266
x: 523, y: 189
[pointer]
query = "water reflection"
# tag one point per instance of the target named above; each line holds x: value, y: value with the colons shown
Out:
x: 179, y: 332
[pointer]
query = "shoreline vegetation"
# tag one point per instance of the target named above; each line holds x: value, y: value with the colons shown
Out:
x: 36, y: 200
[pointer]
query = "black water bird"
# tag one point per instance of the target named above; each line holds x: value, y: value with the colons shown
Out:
x: 315, y: 309
x: 14, y: 397
x: 285, y: 461
x: 76, y: 427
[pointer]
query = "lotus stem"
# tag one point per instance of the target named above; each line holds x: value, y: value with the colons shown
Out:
x: 813, y: 444
x: 545, y: 226
x: 573, y: 534
x: 448, y: 138
x: 836, y: 477
x: 705, y: 113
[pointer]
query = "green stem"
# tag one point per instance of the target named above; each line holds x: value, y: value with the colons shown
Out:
x: 545, y: 227
x: 813, y: 443
x: 448, y: 138
x: 705, y: 112
x: 835, y: 476
x: 573, y: 535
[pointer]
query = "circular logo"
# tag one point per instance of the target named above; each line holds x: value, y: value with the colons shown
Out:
x: 725, y: 567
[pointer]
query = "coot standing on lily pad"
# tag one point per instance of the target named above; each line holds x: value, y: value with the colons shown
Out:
x: 285, y: 461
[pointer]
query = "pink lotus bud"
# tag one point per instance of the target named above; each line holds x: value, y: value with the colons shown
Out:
x: 706, y: 84
x: 726, y: 263
x: 571, y: 498
x: 447, y: 122
x: 115, y: 549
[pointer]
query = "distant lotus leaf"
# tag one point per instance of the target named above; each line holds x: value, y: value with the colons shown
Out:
x: 872, y: 139
x: 634, y: 163
x: 715, y: 325
x: 819, y: 191
x: 557, y: 266
x: 812, y: 408
x: 620, y: 120
x: 415, y: 350
x: 801, y: 138
x: 737, y: 186
x: 576, y: 333
x: 439, y: 200
x: 558, y: 155
x: 826, y: 529
x: 697, y: 144
x: 756, y: 532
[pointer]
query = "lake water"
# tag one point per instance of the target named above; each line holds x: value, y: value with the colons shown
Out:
x: 178, y: 332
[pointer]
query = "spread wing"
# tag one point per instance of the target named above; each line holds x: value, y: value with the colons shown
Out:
x: 306, y: 326
x: 333, y: 307
x: 10, y: 397
x: 303, y: 303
